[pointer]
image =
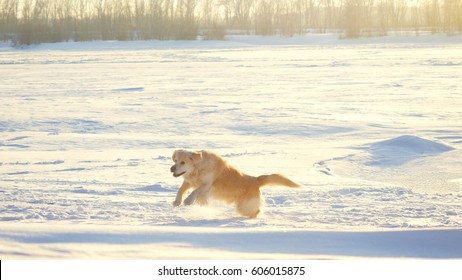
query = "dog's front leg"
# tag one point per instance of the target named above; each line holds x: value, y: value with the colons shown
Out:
x: 179, y: 195
x: 198, y: 196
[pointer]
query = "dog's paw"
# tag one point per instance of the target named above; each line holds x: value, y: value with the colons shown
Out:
x: 176, y: 203
x: 189, y: 201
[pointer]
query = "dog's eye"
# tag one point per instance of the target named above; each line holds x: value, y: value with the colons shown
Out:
x: 182, y: 162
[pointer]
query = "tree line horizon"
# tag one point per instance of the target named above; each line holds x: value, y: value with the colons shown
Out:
x: 38, y: 21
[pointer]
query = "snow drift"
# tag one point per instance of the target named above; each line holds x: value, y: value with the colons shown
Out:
x: 402, y: 149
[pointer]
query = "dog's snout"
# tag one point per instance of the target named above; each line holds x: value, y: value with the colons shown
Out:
x: 172, y: 169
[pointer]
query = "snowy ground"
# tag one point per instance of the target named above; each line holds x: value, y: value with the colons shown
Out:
x: 371, y: 128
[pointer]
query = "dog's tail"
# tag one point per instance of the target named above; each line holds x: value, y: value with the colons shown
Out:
x: 276, y: 179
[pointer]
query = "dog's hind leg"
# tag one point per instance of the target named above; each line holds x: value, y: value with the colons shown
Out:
x: 249, y: 207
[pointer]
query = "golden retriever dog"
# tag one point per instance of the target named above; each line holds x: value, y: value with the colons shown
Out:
x: 209, y: 176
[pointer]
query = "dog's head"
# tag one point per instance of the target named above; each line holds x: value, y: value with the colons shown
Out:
x: 185, y: 162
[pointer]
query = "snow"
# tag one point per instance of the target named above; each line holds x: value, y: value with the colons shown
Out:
x: 237, y: 243
x: 371, y: 128
x: 402, y: 149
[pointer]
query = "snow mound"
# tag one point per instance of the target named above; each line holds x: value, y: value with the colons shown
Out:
x: 402, y: 149
x: 413, y: 144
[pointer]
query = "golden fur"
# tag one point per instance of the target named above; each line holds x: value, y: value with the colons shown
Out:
x: 208, y: 175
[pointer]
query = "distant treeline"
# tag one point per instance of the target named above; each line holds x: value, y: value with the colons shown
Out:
x: 36, y: 21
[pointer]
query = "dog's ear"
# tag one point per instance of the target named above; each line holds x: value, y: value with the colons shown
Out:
x: 195, y: 157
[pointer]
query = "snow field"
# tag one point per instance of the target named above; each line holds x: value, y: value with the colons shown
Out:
x: 372, y: 131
